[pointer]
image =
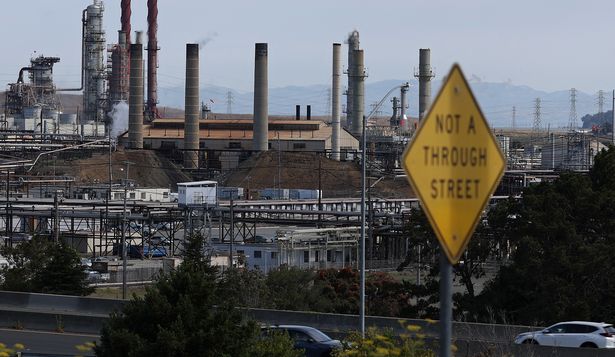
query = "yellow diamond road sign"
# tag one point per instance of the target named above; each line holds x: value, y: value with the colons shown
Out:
x: 454, y: 164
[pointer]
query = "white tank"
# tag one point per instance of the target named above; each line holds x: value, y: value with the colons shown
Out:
x: 32, y: 112
x: 66, y: 118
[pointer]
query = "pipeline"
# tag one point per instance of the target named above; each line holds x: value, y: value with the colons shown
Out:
x: 84, y: 22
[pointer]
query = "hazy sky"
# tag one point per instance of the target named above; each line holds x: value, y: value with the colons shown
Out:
x: 548, y: 45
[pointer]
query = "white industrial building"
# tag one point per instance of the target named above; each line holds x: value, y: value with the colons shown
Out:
x: 301, y: 248
x: 197, y: 193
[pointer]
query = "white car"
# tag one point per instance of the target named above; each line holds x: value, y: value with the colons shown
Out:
x: 572, y: 334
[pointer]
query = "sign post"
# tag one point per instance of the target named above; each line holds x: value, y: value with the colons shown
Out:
x: 454, y: 164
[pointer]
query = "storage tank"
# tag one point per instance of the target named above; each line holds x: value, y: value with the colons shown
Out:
x: 66, y: 118
x: 50, y: 114
x: 33, y: 112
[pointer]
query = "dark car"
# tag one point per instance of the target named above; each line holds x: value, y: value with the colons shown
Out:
x: 314, y: 342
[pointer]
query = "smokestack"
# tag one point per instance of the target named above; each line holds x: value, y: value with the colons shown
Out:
x: 353, y: 45
x: 135, y: 100
x: 297, y: 112
x: 139, y: 37
x: 424, y: 76
x: 191, y: 125
x: 394, y: 121
x: 308, y: 112
x: 403, y: 119
x: 358, y: 93
x: 335, y: 102
x: 261, y: 96
x: 152, y: 59
x: 125, y: 19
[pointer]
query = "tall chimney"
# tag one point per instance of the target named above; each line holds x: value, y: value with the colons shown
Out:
x: 125, y: 19
x: 353, y: 45
x: 336, y: 94
x: 124, y: 71
x: 424, y: 76
x: 358, y: 93
x: 192, y: 107
x: 261, y: 96
x: 135, y: 100
x: 403, y: 119
x: 297, y: 112
x: 394, y: 121
x: 308, y: 112
x: 152, y: 59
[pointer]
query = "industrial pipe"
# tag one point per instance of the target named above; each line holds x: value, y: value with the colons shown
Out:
x: 83, y: 25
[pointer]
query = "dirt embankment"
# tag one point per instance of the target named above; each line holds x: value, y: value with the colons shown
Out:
x: 310, y: 171
x: 147, y: 169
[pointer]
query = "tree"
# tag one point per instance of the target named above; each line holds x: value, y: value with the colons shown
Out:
x: 563, y: 236
x: 41, y: 266
x: 187, y: 312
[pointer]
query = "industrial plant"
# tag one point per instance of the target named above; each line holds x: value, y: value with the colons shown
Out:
x: 230, y: 177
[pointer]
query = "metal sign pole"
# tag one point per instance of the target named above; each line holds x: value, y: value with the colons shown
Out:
x: 446, y: 305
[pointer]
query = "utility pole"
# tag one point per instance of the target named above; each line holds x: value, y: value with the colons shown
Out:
x: 601, y: 106
x: 56, y: 226
x: 535, y: 128
x: 279, y: 169
x: 319, y: 191
x: 230, y: 255
x: 9, y: 218
x: 572, y: 121
x: 328, y: 107
x: 229, y: 102
x: 124, y: 253
x: 362, y: 242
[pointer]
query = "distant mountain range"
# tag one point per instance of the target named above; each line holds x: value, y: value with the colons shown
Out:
x: 496, y: 100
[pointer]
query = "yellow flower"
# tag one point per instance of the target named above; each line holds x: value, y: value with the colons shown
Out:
x: 4, y: 354
x: 381, y: 351
x: 2, y: 345
x: 413, y: 328
x: 420, y: 336
x: 82, y: 348
x: 19, y: 346
x: 430, y: 321
x: 90, y: 344
x: 382, y: 338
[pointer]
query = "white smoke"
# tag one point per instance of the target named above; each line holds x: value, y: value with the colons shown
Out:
x: 207, y: 39
x: 119, y: 119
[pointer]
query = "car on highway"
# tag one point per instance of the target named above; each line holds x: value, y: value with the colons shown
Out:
x: 572, y: 334
x: 314, y: 342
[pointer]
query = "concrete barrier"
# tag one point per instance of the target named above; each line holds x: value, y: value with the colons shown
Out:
x: 86, y: 315
x: 59, y: 303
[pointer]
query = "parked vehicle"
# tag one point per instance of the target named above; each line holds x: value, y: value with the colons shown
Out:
x: 313, y: 341
x: 572, y: 334
x: 141, y: 252
x: 93, y: 276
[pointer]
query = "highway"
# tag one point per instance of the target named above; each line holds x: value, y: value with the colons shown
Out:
x: 40, y: 343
